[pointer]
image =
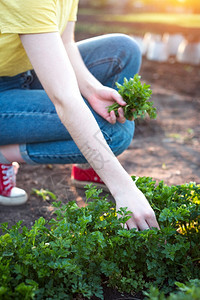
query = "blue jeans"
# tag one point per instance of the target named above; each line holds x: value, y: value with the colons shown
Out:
x: 28, y: 117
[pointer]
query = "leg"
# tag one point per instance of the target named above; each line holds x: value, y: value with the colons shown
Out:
x: 10, y: 153
x: 28, y: 118
x: 111, y: 57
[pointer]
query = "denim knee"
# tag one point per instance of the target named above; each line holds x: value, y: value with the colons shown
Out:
x: 129, y: 55
x: 122, y: 136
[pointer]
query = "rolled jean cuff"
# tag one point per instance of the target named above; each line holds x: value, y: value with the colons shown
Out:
x: 3, y: 160
x: 25, y: 156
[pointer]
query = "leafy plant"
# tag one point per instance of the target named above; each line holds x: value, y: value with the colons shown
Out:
x: 81, y: 249
x: 136, y: 96
x: 188, y: 291
x: 45, y: 194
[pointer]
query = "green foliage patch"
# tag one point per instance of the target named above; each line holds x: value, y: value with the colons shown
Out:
x: 188, y: 291
x: 81, y: 249
x: 137, y: 96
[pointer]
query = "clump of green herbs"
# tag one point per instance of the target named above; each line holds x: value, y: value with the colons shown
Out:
x: 187, y: 291
x: 82, y: 249
x: 137, y: 96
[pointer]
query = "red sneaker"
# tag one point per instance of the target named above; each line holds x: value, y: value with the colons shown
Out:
x: 9, y: 194
x: 81, y: 177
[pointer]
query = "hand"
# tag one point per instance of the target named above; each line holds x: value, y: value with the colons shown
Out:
x: 143, y: 216
x: 104, y: 97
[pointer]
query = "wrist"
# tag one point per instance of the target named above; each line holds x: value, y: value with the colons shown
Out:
x: 124, y: 186
x: 120, y: 183
x: 89, y: 88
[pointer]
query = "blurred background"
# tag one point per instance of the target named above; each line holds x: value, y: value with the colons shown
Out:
x: 158, y: 5
x: 167, y: 31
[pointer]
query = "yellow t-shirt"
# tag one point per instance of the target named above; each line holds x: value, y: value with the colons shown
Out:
x: 29, y: 16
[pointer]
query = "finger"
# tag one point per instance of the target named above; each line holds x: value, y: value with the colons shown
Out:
x: 141, y: 222
x: 143, y: 225
x: 148, y: 222
x: 113, y: 117
x: 121, y: 117
x: 118, y: 98
x: 152, y: 222
x: 131, y: 224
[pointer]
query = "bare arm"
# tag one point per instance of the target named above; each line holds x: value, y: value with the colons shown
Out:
x: 87, y: 82
x: 99, y: 96
x: 53, y: 67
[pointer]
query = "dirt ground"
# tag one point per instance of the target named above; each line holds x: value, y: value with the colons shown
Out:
x: 166, y: 149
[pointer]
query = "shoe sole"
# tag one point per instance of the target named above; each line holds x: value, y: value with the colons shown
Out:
x: 82, y: 184
x: 13, y: 201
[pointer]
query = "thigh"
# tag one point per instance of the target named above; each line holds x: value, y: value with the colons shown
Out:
x: 28, y: 116
x: 111, y: 57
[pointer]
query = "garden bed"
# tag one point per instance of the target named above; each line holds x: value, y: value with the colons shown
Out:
x: 82, y: 249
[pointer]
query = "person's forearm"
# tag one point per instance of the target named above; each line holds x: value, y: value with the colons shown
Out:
x: 86, y: 81
x: 86, y: 133
x: 93, y: 145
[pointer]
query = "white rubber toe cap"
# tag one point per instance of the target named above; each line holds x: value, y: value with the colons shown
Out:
x: 17, y: 197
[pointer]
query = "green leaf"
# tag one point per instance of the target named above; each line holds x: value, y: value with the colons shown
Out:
x: 137, y: 98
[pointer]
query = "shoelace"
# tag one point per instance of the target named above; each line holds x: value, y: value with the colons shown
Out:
x: 8, y: 176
